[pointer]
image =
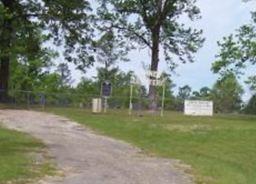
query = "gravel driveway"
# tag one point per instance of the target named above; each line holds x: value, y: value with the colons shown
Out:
x: 88, y: 158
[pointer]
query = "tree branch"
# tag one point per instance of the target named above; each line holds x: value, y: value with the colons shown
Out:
x: 135, y: 33
x: 144, y: 12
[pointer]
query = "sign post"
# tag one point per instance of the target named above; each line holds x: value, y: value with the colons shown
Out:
x: 28, y: 99
x: 106, y: 92
x: 133, y: 81
x: 155, y: 80
x: 130, y: 104
x: 163, y: 98
x: 42, y: 100
x: 105, y: 104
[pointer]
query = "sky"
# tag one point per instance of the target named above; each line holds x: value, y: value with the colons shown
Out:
x: 219, y: 18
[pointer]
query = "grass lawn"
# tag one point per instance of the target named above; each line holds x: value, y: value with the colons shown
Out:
x: 220, y: 149
x: 17, y: 158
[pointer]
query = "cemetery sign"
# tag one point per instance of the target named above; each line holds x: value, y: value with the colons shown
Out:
x: 198, y: 108
x: 106, y: 89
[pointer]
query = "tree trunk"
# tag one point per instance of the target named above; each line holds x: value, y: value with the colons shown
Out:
x: 154, y: 67
x: 4, y: 78
x: 5, y: 47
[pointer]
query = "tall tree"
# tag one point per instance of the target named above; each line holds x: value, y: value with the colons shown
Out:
x: 65, y: 74
x: 27, y: 75
x: 154, y: 24
x: 226, y: 94
x: 252, y: 83
x: 203, y: 94
x: 184, y: 92
x: 251, y: 106
x: 109, y: 50
x: 238, y: 52
x: 63, y: 22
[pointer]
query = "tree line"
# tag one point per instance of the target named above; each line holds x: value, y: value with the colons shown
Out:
x: 57, y: 89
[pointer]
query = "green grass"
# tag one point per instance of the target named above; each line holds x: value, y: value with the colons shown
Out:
x: 220, y: 149
x: 17, y: 158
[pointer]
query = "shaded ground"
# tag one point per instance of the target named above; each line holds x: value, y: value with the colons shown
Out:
x: 87, y: 158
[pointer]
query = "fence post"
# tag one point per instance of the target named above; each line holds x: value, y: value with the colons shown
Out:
x: 28, y: 99
x: 42, y: 101
x: 15, y: 102
x: 130, y: 103
x: 105, y: 104
x: 163, y: 98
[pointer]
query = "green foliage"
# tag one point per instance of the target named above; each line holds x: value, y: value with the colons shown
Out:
x: 86, y: 89
x: 169, y: 97
x: 110, y: 49
x: 33, y: 76
x: 238, y: 52
x: 251, y: 106
x: 106, y: 73
x: 28, y: 74
x: 30, y: 80
x: 62, y: 22
x: 121, y: 90
x: 150, y: 23
x: 50, y: 83
x: 226, y: 94
x: 184, y: 92
x: 203, y: 94
x: 120, y: 81
x: 252, y: 83
x: 65, y: 74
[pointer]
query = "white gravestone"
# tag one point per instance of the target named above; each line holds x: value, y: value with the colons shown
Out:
x: 198, y: 108
x: 96, y: 105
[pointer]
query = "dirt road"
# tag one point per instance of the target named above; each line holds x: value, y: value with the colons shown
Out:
x: 88, y: 158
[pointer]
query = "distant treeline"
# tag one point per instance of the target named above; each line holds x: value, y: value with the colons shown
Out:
x: 55, y: 88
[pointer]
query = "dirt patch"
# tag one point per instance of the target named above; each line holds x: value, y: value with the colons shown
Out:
x: 88, y: 158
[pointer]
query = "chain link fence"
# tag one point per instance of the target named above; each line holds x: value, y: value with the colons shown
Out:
x: 35, y: 100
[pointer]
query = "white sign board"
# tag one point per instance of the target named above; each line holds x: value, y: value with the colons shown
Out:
x: 198, y: 108
x: 153, y: 74
x: 156, y: 82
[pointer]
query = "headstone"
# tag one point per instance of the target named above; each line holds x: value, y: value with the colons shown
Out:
x: 96, y: 105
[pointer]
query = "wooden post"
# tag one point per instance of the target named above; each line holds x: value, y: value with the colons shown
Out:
x: 28, y: 100
x: 163, y: 99
x: 130, y: 104
x: 105, y: 104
